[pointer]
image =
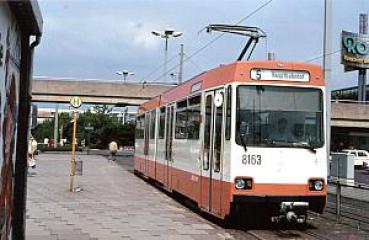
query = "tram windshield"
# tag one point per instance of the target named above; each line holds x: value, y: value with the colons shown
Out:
x: 277, y: 116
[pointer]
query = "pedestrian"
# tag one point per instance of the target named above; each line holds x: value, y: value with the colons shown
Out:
x: 113, y: 148
x: 32, y: 151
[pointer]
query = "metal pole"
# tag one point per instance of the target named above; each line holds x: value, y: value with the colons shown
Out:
x: 338, y: 202
x: 73, y: 160
x: 363, y: 29
x: 327, y: 69
x: 166, y: 58
x: 180, y: 72
x: 125, y: 110
x: 271, y: 56
x: 56, y: 125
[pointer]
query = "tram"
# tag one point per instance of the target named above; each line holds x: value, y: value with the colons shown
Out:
x: 247, y: 135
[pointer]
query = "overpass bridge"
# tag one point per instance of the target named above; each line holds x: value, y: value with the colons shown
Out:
x: 112, y: 92
x: 348, y: 114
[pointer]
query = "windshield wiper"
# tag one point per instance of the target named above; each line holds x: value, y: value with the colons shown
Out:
x: 306, y: 145
x: 243, y: 142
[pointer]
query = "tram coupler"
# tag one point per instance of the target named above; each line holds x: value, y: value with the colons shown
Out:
x: 293, y: 212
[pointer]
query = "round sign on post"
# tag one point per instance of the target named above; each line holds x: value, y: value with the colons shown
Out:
x: 76, y: 102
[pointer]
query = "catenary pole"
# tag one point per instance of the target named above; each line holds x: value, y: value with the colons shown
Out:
x: 180, y: 72
x: 327, y: 69
x: 363, y: 29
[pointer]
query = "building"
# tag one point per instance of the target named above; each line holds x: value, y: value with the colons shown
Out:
x: 20, y: 33
x: 349, y: 120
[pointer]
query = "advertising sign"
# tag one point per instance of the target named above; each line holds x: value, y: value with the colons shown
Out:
x: 355, y: 51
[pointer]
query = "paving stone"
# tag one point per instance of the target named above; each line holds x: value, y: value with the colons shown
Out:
x: 109, y: 206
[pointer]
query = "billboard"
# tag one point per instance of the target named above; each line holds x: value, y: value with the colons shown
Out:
x: 354, y: 51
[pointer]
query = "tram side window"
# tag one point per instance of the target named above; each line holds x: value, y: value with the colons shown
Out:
x: 152, y: 124
x: 207, y: 130
x: 140, y: 127
x: 162, y: 122
x: 228, y: 113
x: 194, y: 117
x: 181, y: 120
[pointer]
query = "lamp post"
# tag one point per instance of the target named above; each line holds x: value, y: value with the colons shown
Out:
x: 166, y: 34
x: 124, y: 73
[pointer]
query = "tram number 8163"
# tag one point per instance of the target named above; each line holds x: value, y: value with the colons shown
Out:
x: 251, y: 159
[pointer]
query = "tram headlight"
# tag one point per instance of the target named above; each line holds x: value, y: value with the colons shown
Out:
x: 240, y: 183
x: 316, y: 185
x: 243, y: 183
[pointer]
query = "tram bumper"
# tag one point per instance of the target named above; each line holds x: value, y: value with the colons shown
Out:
x: 276, y: 204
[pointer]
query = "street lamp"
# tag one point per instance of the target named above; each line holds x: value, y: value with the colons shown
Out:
x: 166, y: 34
x: 124, y: 73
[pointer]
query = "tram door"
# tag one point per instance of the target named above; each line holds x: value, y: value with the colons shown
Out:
x: 168, y: 147
x: 212, y: 152
x: 146, y: 142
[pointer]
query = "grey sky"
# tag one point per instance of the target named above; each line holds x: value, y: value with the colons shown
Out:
x: 93, y: 39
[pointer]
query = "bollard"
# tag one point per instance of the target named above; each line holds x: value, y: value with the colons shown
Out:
x: 338, y: 202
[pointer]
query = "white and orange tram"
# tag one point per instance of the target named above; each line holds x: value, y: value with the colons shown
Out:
x: 248, y: 134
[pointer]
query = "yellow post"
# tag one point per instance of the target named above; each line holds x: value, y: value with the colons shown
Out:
x: 72, y: 162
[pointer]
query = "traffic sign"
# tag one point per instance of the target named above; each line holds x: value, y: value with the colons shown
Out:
x: 76, y: 102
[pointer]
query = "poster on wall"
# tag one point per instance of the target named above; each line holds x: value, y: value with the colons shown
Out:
x: 9, y: 80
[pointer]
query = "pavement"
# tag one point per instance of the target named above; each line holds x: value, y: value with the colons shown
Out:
x: 113, y: 204
x: 116, y: 204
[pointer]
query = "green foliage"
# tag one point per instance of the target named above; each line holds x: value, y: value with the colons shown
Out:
x: 105, y: 129
x: 43, y: 130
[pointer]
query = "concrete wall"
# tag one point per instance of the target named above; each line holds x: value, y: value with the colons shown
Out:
x: 350, y: 115
x: 9, y: 100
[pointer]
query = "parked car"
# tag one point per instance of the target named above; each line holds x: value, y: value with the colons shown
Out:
x: 361, y: 157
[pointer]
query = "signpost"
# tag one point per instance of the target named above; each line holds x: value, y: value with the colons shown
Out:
x: 75, y: 102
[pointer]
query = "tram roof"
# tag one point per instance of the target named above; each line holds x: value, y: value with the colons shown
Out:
x: 235, y: 72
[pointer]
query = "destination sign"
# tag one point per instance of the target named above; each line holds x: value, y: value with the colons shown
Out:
x: 280, y: 75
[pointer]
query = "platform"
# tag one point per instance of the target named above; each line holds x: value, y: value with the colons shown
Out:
x: 116, y: 204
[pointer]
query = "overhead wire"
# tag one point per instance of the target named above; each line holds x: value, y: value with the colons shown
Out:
x: 215, y: 39
x: 158, y: 68
x: 322, y: 56
x: 194, y: 63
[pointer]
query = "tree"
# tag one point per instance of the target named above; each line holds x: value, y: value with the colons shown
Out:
x: 43, y: 130
x: 106, y: 128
